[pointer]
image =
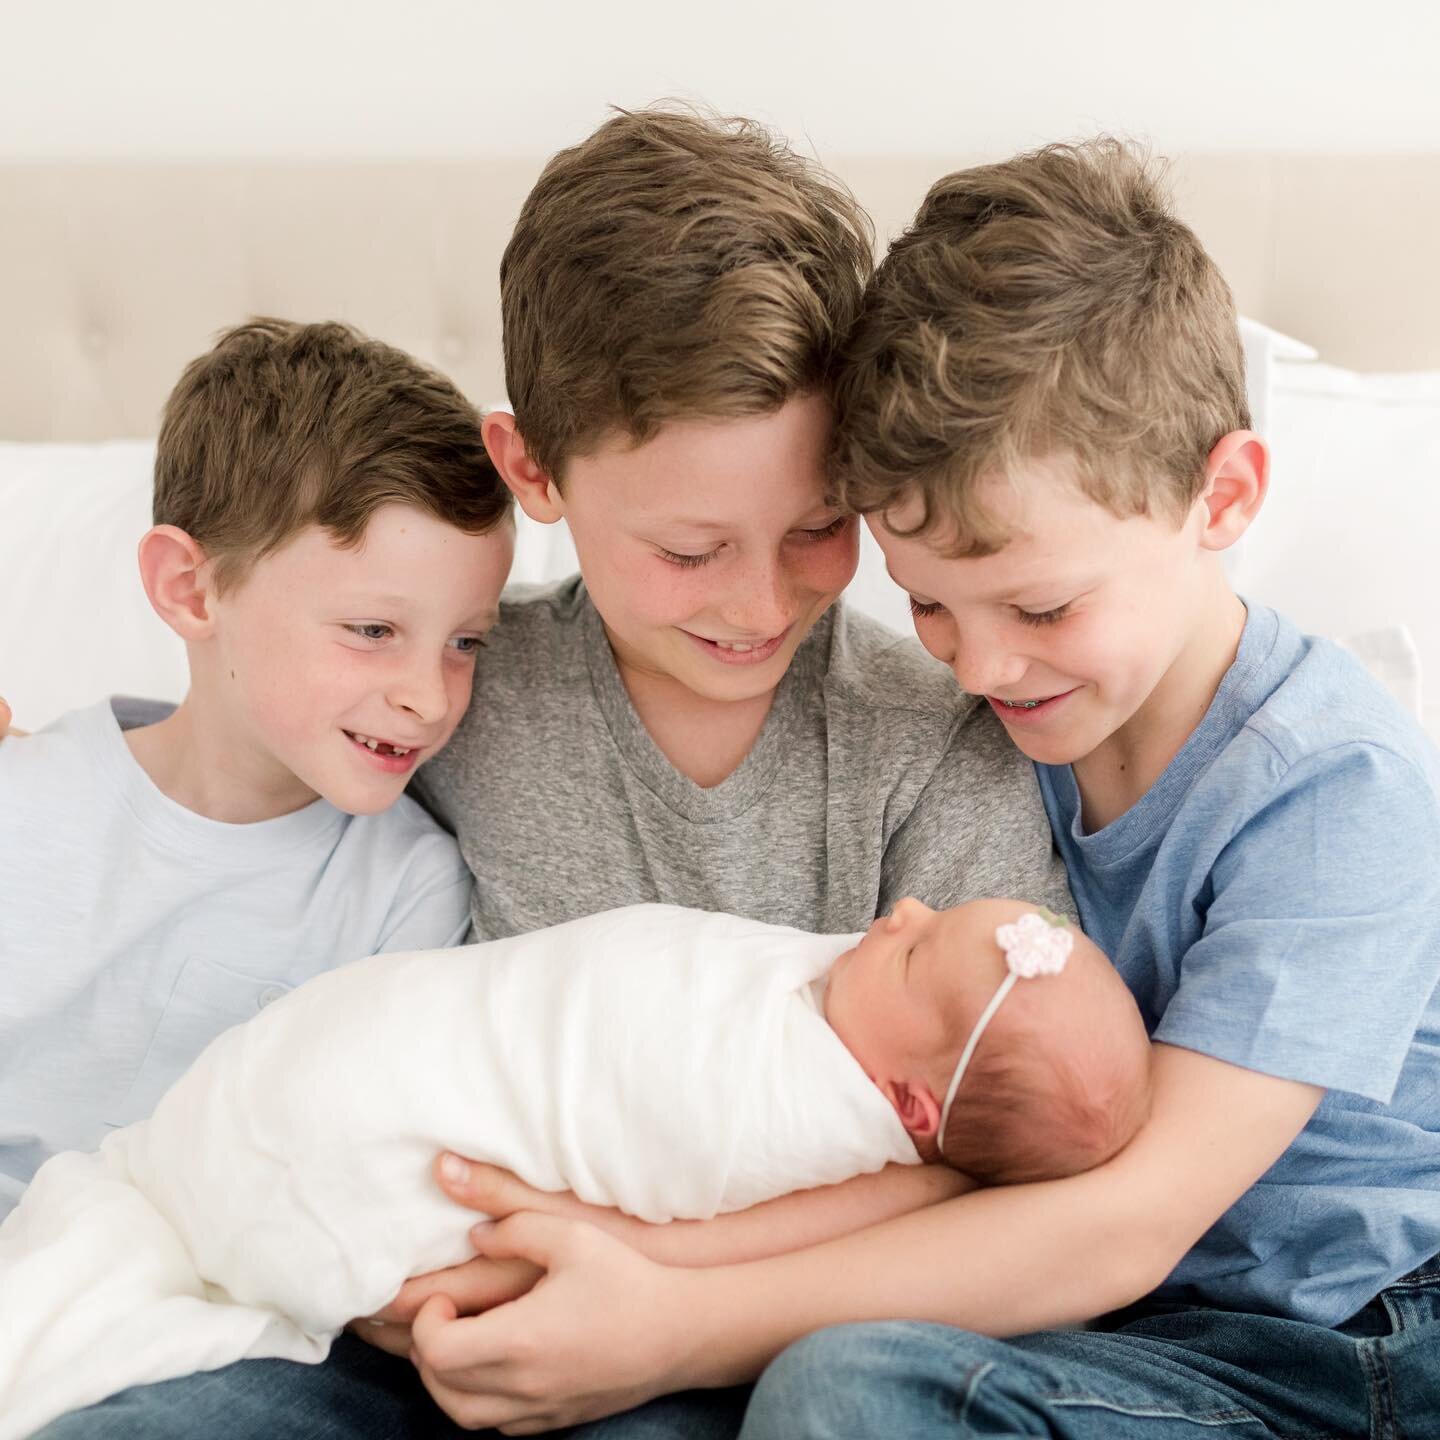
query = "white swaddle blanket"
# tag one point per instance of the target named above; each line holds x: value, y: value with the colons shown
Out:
x: 668, y: 1061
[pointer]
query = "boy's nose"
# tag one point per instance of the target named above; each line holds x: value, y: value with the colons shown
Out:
x: 984, y: 667
x: 762, y: 605
x: 420, y: 689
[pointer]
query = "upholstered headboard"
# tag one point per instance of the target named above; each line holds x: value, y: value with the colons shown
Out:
x: 112, y: 277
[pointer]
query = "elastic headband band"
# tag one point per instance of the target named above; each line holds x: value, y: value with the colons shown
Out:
x: 1038, y: 943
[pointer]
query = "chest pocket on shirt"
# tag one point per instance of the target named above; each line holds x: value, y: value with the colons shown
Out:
x: 207, y: 999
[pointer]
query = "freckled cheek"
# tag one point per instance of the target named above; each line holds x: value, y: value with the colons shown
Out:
x: 661, y: 594
x: 826, y: 568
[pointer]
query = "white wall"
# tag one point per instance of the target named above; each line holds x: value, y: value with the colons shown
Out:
x: 167, y: 79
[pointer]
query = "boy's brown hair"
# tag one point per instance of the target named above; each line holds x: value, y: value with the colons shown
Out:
x: 1049, y: 305
x: 673, y: 266
x: 281, y: 426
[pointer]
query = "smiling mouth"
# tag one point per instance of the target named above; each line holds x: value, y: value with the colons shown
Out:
x: 382, y: 747
x: 740, y: 652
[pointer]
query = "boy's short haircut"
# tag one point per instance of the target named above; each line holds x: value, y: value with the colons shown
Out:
x: 1052, y: 305
x: 281, y: 426
x: 674, y: 266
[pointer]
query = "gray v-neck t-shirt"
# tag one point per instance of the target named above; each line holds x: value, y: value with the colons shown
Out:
x: 873, y: 778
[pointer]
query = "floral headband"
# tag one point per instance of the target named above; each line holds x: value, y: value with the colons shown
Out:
x: 1038, y: 943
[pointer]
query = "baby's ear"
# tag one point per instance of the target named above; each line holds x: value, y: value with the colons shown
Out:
x: 916, y: 1105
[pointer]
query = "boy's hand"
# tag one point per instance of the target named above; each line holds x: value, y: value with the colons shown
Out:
x: 471, y: 1288
x: 604, y: 1330
x: 479, y: 1284
x: 5, y: 717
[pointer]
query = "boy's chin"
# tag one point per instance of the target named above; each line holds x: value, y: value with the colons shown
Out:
x: 361, y: 799
x: 1049, y: 749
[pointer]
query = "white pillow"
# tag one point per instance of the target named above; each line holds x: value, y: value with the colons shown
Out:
x: 74, y: 620
x: 1346, y: 542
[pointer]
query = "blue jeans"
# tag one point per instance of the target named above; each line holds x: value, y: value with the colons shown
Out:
x: 1163, y: 1371
x: 359, y: 1393
x: 1169, y: 1372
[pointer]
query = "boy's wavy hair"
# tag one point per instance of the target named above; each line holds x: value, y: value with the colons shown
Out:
x: 1052, y: 305
x: 674, y: 265
x: 280, y: 426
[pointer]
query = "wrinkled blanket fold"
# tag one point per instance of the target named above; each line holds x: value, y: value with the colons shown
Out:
x: 670, y: 1062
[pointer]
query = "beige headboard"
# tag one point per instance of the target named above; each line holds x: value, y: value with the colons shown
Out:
x: 112, y: 277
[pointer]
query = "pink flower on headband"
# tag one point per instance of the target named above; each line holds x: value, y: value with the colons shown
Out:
x: 1036, y: 944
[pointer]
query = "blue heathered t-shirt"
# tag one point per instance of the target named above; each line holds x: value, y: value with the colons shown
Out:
x: 1274, y: 901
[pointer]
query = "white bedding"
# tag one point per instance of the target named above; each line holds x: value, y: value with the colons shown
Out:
x: 670, y: 1062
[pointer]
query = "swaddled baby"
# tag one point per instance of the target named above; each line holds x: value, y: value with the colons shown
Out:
x: 672, y: 1062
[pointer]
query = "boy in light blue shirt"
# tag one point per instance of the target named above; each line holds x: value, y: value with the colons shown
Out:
x: 1043, y: 412
x: 330, y: 543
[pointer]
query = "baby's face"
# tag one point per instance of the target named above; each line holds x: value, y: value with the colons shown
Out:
x: 899, y: 999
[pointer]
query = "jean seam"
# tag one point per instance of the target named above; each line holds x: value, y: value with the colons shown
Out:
x: 972, y: 1384
x: 1375, y: 1365
x: 1154, y: 1412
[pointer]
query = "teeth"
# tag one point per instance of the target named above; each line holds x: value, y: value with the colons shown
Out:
x: 1021, y: 704
x: 736, y: 647
x: 399, y: 751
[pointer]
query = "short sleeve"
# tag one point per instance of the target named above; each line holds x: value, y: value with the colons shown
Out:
x: 977, y: 829
x: 1321, y: 940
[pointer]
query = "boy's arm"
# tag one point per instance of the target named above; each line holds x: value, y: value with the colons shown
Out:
x: 789, y: 1222
x: 607, y: 1328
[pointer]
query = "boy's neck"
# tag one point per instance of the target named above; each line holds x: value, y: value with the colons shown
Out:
x: 192, y: 759
x: 706, y: 740
x: 1118, y: 772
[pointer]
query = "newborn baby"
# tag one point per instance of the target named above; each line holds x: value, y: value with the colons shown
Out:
x: 672, y: 1062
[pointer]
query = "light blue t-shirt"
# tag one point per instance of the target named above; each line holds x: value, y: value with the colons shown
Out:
x: 133, y: 931
x: 1274, y: 901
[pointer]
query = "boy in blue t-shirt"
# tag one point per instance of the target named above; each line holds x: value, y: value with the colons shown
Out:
x: 1043, y: 411
x: 330, y: 543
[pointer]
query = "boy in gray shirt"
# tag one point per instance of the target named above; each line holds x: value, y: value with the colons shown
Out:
x: 694, y: 721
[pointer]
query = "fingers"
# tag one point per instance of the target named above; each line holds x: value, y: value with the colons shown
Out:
x: 474, y: 1286
x: 393, y: 1339
x: 445, y: 1344
x: 482, y: 1187
x: 541, y: 1240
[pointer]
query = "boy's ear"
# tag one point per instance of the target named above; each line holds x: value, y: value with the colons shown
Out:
x: 177, y: 577
x: 1237, y: 476
x: 915, y: 1104
x: 535, y: 492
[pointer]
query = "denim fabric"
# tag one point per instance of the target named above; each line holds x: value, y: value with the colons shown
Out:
x: 359, y: 1393
x: 1172, y: 1372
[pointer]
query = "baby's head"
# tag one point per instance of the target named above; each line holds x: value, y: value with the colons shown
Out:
x: 330, y: 541
x: 1058, y: 1077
